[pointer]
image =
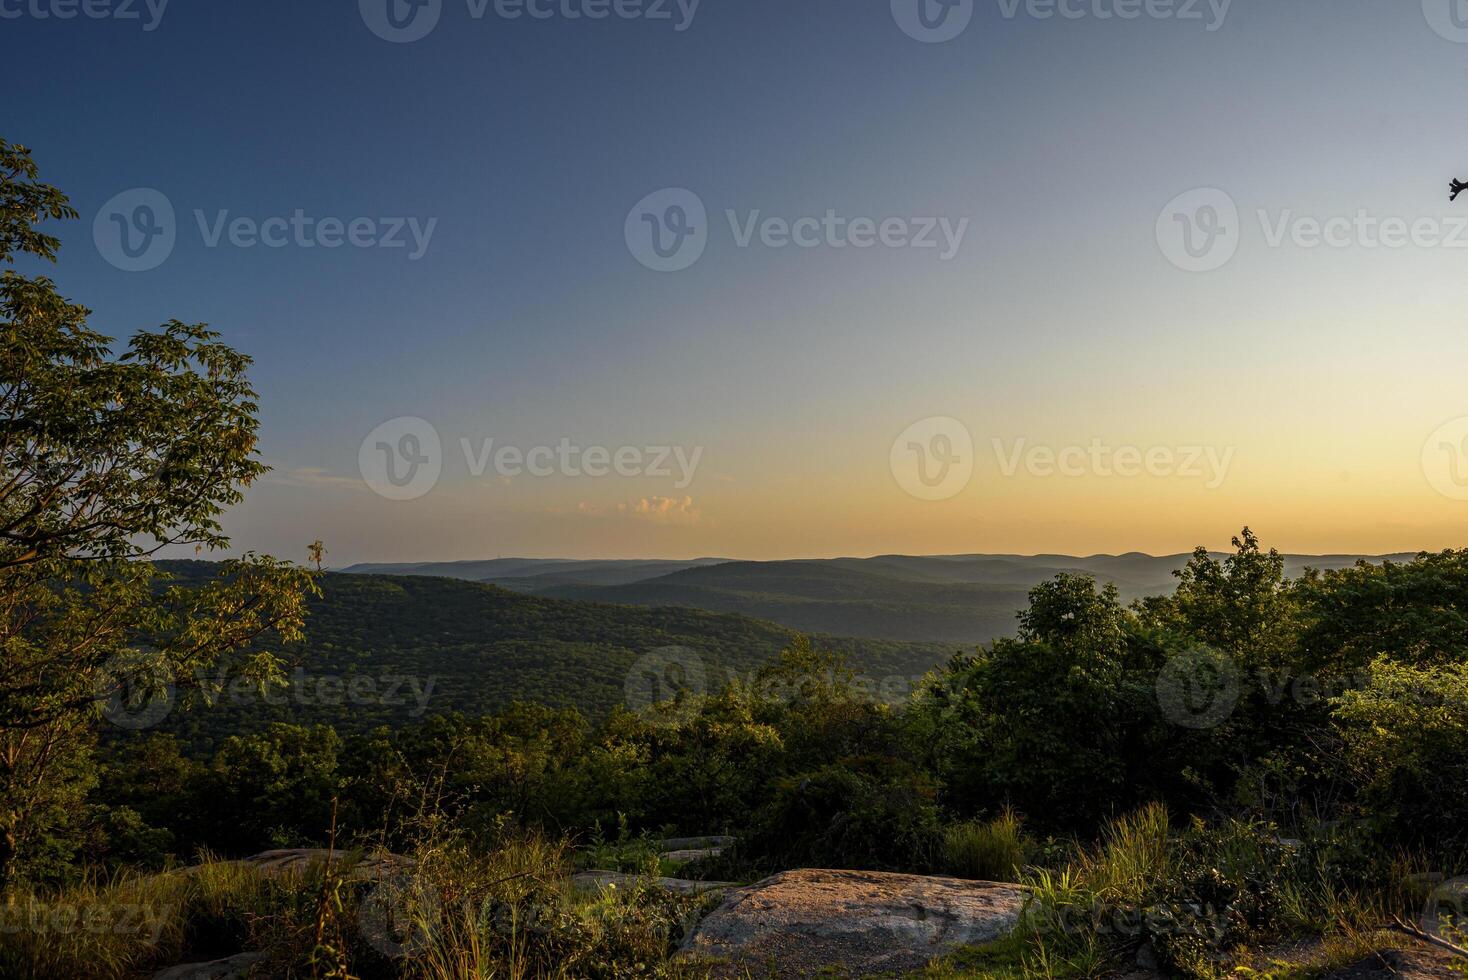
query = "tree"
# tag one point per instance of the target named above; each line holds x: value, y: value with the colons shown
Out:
x: 104, y: 461
x: 1242, y: 605
x: 316, y: 553
x: 1414, y: 612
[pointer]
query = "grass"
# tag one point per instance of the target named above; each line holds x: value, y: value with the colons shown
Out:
x: 1089, y: 917
x: 450, y: 914
x: 993, y: 850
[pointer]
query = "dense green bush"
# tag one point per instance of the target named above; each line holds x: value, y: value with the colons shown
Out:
x: 868, y: 813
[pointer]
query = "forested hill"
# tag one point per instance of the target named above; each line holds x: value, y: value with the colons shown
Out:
x: 482, y: 647
x: 961, y: 600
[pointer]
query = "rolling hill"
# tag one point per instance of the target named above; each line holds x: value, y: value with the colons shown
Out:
x: 482, y: 647
x: 952, y: 599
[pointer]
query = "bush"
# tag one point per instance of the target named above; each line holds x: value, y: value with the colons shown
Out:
x: 1405, y: 737
x: 872, y: 813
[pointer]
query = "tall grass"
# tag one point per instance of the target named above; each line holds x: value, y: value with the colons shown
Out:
x: 1132, y: 858
x: 993, y: 850
x: 131, y: 923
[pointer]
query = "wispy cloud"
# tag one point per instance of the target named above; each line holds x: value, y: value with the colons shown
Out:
x: 659, y: 510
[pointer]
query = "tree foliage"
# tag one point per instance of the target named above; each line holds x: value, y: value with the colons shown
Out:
x: 105, y: 459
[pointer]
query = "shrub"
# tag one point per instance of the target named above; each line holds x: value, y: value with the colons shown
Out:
x: 872, y: 813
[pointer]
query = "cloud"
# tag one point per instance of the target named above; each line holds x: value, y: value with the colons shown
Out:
x: 658, y: 510
x: 312, y: 476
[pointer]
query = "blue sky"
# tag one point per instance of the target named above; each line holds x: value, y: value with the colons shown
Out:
x: 528, y: 320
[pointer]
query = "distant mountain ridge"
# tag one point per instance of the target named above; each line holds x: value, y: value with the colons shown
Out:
x: 962, y: 599
x: 475, y: 648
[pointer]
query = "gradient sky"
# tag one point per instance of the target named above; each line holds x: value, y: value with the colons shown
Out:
x: 1324, y: 370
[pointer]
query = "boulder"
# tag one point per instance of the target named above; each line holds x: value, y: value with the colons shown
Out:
x: 297, y: 860
x: 715, y: 841
x: 862, y: 922
x: 692, y: 854
x: 595, y: 881
x: 234, y: 967
x: 685, y: 849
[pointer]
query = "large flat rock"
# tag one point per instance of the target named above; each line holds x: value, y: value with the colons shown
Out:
x: 862, y: 922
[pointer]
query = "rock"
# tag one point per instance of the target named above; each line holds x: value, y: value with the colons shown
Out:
x: 863, y: 922
x: 599, y: 880
x: 235, y: 967
x: 1147, y: 957
x: 299, y: 860
x: 694, y: 843
x: 684, y: 857
x: 1420, y: 963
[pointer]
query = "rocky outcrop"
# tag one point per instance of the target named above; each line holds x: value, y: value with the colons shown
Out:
x: 298, y: 860
x: 860, y: 922
x: 685, y: 849
x: 595, y: 881
x: 230, y: 968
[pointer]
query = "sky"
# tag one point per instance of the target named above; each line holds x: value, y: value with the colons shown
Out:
x: 788, y: 278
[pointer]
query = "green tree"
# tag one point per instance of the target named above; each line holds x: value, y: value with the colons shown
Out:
x: 104, y: 461
x: 1242, y: 605
x: 1414, y: 612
